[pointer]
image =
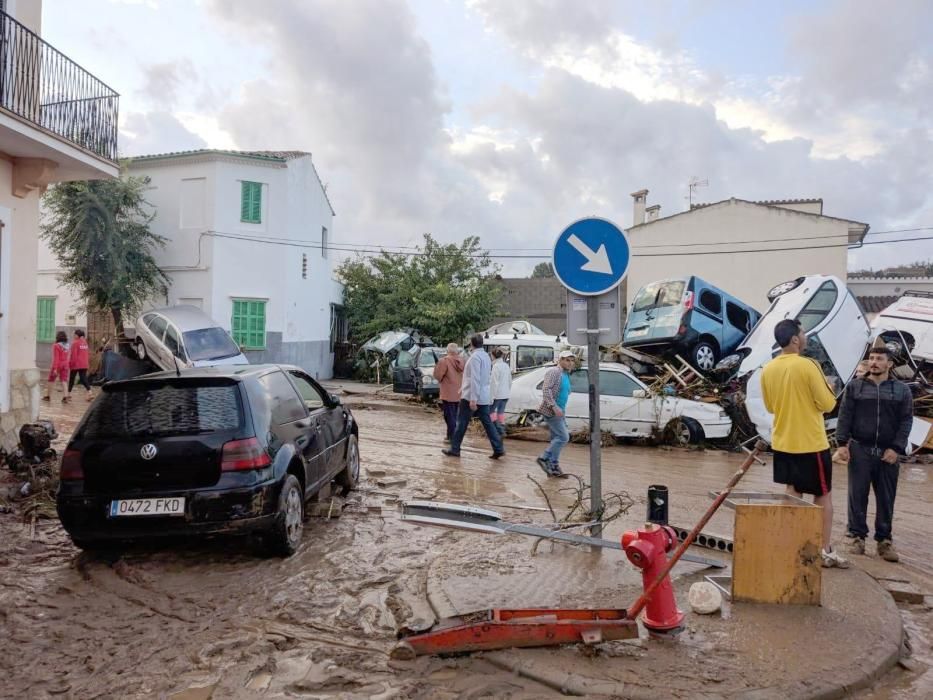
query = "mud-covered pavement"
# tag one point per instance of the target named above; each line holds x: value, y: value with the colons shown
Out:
x: 195, y: 618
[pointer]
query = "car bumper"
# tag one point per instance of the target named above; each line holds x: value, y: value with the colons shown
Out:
x: 717, y: 431
x: 431, y: 391
x: 236, y: 510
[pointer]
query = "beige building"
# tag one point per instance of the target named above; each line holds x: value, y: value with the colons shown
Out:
x: 57, y: 123
x: 743, y: 247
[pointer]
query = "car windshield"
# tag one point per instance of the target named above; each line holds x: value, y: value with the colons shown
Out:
x: 149, y: 410
x: 209, y: 344
x: 427, y: 359
x: 659, y: 294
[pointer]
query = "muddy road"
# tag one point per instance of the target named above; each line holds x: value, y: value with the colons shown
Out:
x: 217, y: 619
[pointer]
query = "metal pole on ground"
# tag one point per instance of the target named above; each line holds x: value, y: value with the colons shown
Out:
x: 592, y: 355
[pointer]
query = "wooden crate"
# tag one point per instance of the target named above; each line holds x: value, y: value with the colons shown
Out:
x: 776, y: 557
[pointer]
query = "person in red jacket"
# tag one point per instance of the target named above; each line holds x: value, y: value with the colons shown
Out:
x: 58, y: 372
x: 78, y: 362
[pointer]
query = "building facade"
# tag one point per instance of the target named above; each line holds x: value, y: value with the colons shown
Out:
x: 743, y: 247
x: 248, y: 242
x: 877, y: 292
x: 57, y: 123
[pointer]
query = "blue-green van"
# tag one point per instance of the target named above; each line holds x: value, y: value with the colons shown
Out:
x: 688, y: 317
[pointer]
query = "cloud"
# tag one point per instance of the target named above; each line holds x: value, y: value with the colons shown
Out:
x: 162, y: 81
x: 143, y: 133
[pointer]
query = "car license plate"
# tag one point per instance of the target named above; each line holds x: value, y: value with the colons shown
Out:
x: 147, y: 506
x: 638, y: 332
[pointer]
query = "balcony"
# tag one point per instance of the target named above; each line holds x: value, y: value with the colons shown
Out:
x: 44, y: 87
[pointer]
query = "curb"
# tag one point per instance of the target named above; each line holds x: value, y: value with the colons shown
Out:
x: 859, y: 673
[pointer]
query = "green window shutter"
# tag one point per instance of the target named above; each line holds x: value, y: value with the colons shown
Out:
x: 45, y: 320
x: 251, y: 202
x: 248, y: 325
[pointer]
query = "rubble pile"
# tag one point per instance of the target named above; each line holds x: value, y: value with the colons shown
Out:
x: 34, y: 467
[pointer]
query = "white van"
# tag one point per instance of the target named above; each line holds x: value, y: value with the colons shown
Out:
x: 526, y: 351
x: 909, y: 320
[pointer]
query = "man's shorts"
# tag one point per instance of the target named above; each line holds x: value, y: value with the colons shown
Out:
x: 807, y: 472
x: 59, y: 374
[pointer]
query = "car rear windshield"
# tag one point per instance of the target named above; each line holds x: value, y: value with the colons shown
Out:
x: 164, y: 409
x: 658, y: 294
x: 209, y: 344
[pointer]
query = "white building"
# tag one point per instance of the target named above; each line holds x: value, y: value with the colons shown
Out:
x: 877, y: 292
x: 57, y: 122
x: 743, y: 247
x: 248, y: 242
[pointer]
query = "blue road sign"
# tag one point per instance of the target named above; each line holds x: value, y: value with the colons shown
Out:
x: 591, y: 256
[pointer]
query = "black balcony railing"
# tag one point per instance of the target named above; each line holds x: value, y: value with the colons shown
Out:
x: 42, y: 85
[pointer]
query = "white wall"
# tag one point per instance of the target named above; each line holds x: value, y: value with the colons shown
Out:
x: 888, y: 286
x: 736, y: 226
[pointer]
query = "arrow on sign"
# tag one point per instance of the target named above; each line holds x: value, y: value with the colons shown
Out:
x: 596, y: 261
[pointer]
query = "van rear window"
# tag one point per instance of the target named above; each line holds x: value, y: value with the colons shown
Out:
x: 164, y: 410
x: 659, y: 294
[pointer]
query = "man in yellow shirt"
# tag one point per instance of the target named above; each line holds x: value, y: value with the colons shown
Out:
x: 795, y: 391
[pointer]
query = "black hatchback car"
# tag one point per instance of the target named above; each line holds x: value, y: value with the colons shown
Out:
x: 232, y: 449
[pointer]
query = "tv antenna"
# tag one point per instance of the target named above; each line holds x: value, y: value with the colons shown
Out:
x: 692, y: 186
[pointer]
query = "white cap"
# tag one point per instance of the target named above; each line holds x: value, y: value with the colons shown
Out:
x: 564, y: 354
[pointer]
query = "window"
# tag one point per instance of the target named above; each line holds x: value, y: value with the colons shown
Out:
x: 616, y: 384
x: 658, y: 294
x: 284, y: 402
x: 711, y: 302
x: 817, y: 351
x: 251, y: 202
x: 427, y: 359
x: 191, y: 203
x: 45, y: 320
x: 173, y: 343
x: 818, y: 307
x: 405, y: 360
x: 310, y: 395
x: 249, y: 324
x: 209, y: 344
x: 323, y: 241
x: 738, y: 317
x: 579, y: 382
x: 339, y: 329
x: 530, y: 356
x: 157, y: 325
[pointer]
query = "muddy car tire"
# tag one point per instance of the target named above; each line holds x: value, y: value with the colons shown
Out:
x: 285, y: 536
x: 141, y: 352
x: 686, y: 431
x: 348, y: 478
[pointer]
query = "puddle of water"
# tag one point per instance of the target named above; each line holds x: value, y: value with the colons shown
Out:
x: 916, y: 474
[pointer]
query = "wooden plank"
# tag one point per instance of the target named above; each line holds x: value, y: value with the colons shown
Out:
x: 776, y: 556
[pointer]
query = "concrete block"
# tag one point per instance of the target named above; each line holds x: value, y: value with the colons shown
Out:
x: 18, y: 398
x: 902, y: 591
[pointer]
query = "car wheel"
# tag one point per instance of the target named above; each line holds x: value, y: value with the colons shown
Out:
x: 141, y: 350
x: 532, y: 418
x: 350, y: 475
x: 704, y: 356
x: 686, y: 431
x: 289, y: 521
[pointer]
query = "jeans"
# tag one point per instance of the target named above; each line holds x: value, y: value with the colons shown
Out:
x: 560, y: 436
x: 81, y: 374
x: 450, y: 409
x: 498, y: 406
x: 867, y: 471
x: 463, y: 421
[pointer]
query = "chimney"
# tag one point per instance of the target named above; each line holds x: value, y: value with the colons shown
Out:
x: 639, y: 214
x: 654, y: 212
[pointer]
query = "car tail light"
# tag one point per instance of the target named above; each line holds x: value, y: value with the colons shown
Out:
x: 71, y: 466
x: 241, y: 455
x: 688, y: 301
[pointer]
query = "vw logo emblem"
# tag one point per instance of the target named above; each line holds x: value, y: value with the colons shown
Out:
x: 148, y: 451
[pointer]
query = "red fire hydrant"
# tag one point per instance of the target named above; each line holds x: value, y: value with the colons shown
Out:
x: 647, y: 548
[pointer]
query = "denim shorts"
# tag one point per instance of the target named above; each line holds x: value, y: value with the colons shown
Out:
x: 498, y: 406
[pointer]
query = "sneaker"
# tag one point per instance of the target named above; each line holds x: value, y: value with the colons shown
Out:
x: 47, y: 399
x: 450, y: 453
x: 887, y: 552
x: 832, y: 559
x: 496, y: 455
x: 545, y: 465
x: 855, y: 544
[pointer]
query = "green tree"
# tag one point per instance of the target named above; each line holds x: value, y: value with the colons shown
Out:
x: 445, y: 291
x: 99, y: 232
x: 543, y: 269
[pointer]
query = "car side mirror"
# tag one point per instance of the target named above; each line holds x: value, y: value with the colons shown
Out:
x: 640, y: 394
x: 334, y: 399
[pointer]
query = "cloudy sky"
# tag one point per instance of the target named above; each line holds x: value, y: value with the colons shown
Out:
x: 510, y: 119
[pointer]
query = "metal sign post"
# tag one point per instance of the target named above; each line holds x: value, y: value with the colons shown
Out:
x: 591, y: 257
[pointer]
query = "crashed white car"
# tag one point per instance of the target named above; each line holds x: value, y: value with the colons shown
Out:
x: 909, y: 323
x: 837, y: 337
x: 184, y: 336
x: 626, y: 408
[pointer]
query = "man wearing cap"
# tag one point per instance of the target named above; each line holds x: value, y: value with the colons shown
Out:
x: 554, y: 394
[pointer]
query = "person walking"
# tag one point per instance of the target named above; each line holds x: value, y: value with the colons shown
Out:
x: 875, y: 418
x: 555, y: 391
x: 449, y: 375
x: 58, y: 372
x: 78, y: 360
x: 475, y: 399
x: 795, y: 391
x: 501, y: 386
